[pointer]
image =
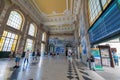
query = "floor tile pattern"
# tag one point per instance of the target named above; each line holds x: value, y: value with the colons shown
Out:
x: 72, y: 74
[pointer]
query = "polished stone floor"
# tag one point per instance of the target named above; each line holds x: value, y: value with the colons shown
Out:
x: 45, y: 68
x: 53, y: 68
x: 108, y: 73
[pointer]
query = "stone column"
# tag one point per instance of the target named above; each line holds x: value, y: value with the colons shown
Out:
x: 47, y: 38
x: 76, y: 40
x: 37, y: 41
x: 22, y: 39
x: 87, y: 27
x: 3, y: 16
x: 39, y: 37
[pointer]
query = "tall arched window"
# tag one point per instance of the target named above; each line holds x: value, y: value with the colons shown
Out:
x: 29, y: 44
x: 8, y: 41
x: 95, y: 8
x: 32, y: 30
x: 15, y: 20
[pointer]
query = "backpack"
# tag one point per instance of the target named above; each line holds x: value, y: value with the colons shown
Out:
x: 33, y: 54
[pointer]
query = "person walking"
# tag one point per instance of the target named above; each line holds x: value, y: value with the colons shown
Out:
x: 38, y: 53
x: 11, y: 55
x: 17, y: 57
x: 88, y: 63
x: 70, y: 56
x: 26, y: 56
x: 116, y: 58
x: 35, y: 55
x: 92, y: 59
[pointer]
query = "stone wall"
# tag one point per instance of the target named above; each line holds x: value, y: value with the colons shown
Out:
x: 6, y: 7
x: 83, y: 26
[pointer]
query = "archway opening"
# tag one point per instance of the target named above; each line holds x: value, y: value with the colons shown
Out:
x: 68, y: 48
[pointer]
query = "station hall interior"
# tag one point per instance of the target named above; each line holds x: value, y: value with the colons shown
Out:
x: 59, y: 39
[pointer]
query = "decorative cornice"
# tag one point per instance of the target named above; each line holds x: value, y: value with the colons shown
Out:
x: 67, y: 17
x: 62, y: 29
x: 26, y: 5
x: 76, y: 6
x: 56, y: 18
x: 62, y: 33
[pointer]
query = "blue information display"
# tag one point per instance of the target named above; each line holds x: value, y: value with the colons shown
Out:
x: 107, y: 25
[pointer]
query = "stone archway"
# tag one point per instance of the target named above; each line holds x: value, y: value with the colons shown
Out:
x: 51, y: 48
x: 68, y: 46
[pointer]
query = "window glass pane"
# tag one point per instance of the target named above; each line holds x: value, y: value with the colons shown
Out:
x: 9, y: 35
x: 4, y: 49
x: 4, y: 33
x: 103, y: 2
x: 44, y: 37
x: 29, y: 45
x: 98, y: 9
x: 13, y: 45
x: 2, y: 42
x: 10, y: 45
x: 15, y: 20
x: 97, y: 2
x: 95, y: 12
x: 94, y: 7
x: 8, y: 42
x: 16, y: 36
x: 32, y: 30
x: 12, y: 36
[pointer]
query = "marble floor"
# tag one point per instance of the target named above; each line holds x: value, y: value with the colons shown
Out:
x: 6, y: 68
x: 108, y: 73
x: 45, y: 68
x: 53, y: 68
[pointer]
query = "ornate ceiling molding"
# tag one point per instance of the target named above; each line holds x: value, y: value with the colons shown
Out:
x: 30, y: 10
x: 67, y: 17
x: 76, y: 6
x: 54, y: 13
x: 59, y: 20
x: 62, y: 28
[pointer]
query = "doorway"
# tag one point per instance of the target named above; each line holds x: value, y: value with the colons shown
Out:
x: 51, y: 48
x: 68, y: 48
x: 114, y: 45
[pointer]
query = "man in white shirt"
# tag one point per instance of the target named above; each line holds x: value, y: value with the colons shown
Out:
x: 26, y: 56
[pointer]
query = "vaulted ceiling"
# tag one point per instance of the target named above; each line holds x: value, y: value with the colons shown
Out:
x: 56, y: 15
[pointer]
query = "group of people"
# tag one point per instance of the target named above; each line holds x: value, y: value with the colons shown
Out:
x: 19, y: 53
